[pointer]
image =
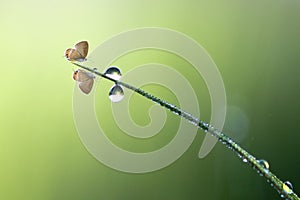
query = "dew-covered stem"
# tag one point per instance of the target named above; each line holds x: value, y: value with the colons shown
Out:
x: 262, y: 168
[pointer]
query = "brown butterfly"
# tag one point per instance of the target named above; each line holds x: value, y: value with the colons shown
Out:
x: 85, y: 80
x: 79, y: 53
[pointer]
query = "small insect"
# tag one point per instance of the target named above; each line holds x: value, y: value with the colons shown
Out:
x: 85, y: 80
x: 79, y: 53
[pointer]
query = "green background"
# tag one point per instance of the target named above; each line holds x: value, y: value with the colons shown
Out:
x: 255, y: 44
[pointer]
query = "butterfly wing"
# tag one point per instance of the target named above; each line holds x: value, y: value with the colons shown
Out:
x: 85, y: 80
x: 81, y: 75
x: 82, y: 48
x: 86, y: 86
x: 74, y: 55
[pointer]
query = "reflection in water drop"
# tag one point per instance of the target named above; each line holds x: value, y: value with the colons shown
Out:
x: 287, y: 187
x: 116, y: 93
x: 113, y: 72
x: 264, y: 163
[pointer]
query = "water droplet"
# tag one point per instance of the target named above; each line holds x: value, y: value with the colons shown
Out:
x: 287, y: 187
x: 113, y: 72
x: 245, y: 160
x: 116, y: 93
x: 264, y: 163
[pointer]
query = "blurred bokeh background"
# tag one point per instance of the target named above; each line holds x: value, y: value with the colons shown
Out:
x: 255, y: 44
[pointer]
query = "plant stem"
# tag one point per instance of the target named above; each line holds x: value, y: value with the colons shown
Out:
x: 275, y: 182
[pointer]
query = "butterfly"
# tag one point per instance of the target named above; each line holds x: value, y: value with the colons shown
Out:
x: 79, y: 53
x: 85, y: 80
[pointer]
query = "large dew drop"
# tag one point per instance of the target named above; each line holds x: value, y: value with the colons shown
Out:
x: 264, y: 164
x: 287, y: 187
x: 113, y: 72
x: 116, y: 93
